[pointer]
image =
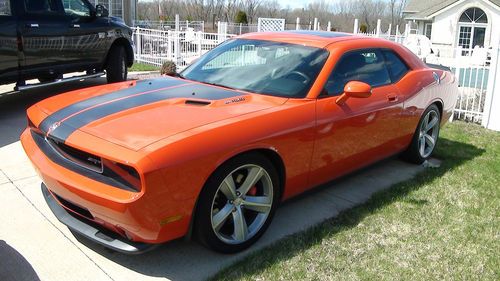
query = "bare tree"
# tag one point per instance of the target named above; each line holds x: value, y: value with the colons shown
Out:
x: 340, y: 13
x: 251, y: 7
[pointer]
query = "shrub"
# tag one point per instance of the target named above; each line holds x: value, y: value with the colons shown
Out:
x: 363, y: 28
x: 241, y: 17
x: 168, y: 68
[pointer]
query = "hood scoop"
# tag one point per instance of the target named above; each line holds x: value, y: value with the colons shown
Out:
x: 197, y: 102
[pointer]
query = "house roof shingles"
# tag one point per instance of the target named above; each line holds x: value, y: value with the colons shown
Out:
x: 421, y: 9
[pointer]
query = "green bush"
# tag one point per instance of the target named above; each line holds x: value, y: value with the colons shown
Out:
x: 241, y: 17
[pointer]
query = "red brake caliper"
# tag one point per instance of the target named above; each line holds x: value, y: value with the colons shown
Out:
x: 252, y: 191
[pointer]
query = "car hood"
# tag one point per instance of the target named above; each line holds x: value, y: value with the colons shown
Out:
x: 136, y: 114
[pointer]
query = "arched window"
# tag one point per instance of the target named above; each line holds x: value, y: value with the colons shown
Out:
x: 474, y: 15
x: 472, y: 29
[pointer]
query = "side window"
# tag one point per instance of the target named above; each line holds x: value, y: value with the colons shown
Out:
x: 396, y: 67
x: 5, y: 8
x: 76, y: 8
x: 41, y: 6
x: 365, y: 65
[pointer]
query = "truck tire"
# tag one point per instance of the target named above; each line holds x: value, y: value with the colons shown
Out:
x: 116, y: 66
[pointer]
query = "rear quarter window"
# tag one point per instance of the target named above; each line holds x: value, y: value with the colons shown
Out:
x: 396, y: 67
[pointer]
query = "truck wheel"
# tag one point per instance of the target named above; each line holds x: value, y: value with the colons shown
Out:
x: 116, y: 66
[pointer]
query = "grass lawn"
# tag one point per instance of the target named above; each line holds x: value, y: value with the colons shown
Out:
x: 143, y: 67
x: 444, y: 224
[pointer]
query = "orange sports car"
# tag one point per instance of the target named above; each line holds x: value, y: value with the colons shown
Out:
x: 213, y: 151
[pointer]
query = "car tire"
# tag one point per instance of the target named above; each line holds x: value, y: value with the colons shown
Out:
x: 425, y: 138
x: 244, y: 190
x: 116, y: 65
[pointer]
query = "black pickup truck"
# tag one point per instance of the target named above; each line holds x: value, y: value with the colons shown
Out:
x: 44, y: 39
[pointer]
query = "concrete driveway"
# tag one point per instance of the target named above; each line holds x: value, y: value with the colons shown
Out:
x: 35, y: 245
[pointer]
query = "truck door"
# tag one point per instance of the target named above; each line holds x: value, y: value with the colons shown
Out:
x: 43, y: 26
x: 88, y: 35
x: 9, y: 60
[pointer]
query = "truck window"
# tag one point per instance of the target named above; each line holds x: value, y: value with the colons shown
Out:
x: 76, y: 8
x: 5, y: 8
x: 41, y: 6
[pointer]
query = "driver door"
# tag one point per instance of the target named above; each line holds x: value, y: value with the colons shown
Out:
x: 361, y: 130
x: 87, y: 37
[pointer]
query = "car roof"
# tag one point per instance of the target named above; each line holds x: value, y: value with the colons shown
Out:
x: 319, y: 39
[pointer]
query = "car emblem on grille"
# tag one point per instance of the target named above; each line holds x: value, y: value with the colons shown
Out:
x: 54, y: 126
x: 94, y: 161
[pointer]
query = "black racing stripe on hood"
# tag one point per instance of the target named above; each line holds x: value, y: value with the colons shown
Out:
x: 140, y: 86
x: 200, y: 91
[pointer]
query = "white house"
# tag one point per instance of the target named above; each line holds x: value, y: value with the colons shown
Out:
x: 455, y: 23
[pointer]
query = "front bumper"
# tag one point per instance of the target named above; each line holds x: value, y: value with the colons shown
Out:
x: 131, y: 216
x: 93, y: 231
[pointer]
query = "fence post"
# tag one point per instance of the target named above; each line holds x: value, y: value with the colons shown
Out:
x: 177, y: 27
x: 407, y: 29
x: 329, y: 26
x: 200, y: 38
x: 492, y: 99
x: 315, y: 24
x: 356, y: 26
x: 297, y: 24
x: 241, y: 24
x: 138, y: 43
x: 377, y: 33
x: 169, y: 45
x: 389, y: 31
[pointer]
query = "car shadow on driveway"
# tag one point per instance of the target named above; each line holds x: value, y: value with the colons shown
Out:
x: 332, y: 202
x: 13, y: 106
x: 13, y: 266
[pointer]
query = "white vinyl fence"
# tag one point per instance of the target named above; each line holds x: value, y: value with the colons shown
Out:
x: 183, y: 25
x: 472, y: 68
x: 182, y: 47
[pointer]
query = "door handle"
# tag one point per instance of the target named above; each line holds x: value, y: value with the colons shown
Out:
x: 75, y: 25
x: 392, y: 98
x: 33, y: 25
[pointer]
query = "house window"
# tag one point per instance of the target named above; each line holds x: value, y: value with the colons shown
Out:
x: 4, y: 8
x: 472, y: 29
x: 474, y: 15
x: 428, y: 30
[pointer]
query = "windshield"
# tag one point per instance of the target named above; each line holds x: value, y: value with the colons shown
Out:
x: 265, y: 67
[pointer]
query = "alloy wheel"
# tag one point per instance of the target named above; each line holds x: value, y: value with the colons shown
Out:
x: 242, y: 204
x: 428, y: 134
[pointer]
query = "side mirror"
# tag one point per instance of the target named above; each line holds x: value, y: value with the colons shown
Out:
x: 354, y: 89
x: 101, y: 11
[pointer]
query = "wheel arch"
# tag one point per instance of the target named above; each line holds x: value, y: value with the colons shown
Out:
x: 128, y: 50
x: 439, y: 104
x: 271, y: 154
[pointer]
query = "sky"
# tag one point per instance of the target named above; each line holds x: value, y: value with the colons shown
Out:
x: 285, y: 3
x: 294, y: 3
